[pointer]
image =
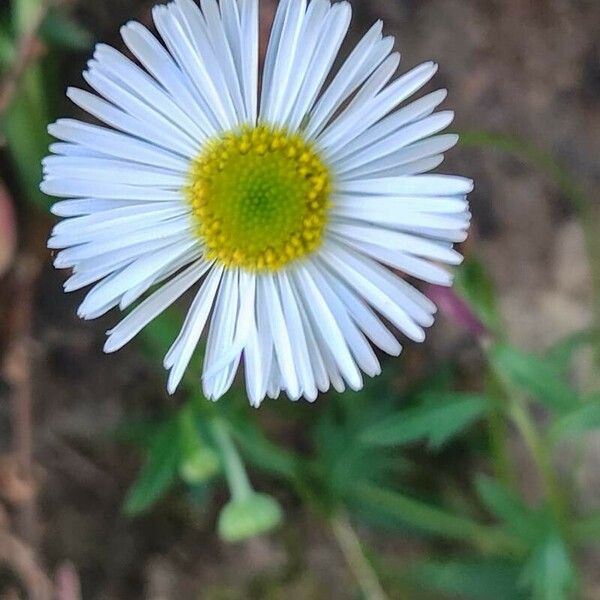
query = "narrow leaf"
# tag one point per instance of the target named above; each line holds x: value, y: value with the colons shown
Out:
x: 438, y: 421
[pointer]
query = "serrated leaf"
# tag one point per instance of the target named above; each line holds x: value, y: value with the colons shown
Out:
x: 159, y: 471
x: 550, y: 573
x: 535, y: 376
x: 437, y: 422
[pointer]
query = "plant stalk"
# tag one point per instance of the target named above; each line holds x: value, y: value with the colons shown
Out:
x: 235, y: 472
x: 352, y: 549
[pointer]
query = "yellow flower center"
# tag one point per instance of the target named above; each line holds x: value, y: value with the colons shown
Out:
x: 260, y: 197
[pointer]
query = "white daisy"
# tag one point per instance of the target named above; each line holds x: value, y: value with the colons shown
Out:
x: 288, y: 206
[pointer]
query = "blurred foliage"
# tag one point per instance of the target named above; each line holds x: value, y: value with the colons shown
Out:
x: 33, y: 38
x: 432, y: 464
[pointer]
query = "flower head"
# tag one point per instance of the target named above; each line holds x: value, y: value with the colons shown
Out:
x: 287, y: 206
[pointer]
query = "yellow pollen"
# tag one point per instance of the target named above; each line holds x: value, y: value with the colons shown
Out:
x: 260, y: 198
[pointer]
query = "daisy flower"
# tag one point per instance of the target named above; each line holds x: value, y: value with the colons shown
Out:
x: 289, y: 200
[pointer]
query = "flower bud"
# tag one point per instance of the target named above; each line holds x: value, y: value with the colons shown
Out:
x: 255, y: 515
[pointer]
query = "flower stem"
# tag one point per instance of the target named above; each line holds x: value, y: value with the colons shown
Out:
x: 360, y: 566
x: 540, y: 454
x: 235, y: 472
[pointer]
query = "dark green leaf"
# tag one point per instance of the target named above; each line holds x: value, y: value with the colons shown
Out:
x: 429, y: 519
x: 468, y: 579
x: 159, y: 471
x: 535, y: 376
x: 437, y: 421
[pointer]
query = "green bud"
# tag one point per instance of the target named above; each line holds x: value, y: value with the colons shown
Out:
x: 254, y: 515
x: 199, y: 466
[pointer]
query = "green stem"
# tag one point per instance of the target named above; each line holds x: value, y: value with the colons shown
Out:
x: 235, y: 472
x: 541, y: 456
x: 360, y: 566
x: 497, y: 427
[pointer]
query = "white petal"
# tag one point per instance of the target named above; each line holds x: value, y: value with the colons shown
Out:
x: 359, y: 347
x: 299, y: 347
x: 312, y: 30
x: 281, y: 336
x: 244, y: 326
x: 161, y: 65
x: 333, y: 32
x: 401, y: 158
x: 322, y: 318
x: 119, y: 145
x: 147, y: 131
x: 345, y: 81
x: 365, y: 318
x: 114, y: 66
x: 154, y: 305
x: 253, y: 369
x: 132, y: 275
x: 358, y: 235
x: 420, y: 185
x: 395, y: 141
x: 368, y: 108
x: 414, y: 111
x: 249, y: 51
x: 283, y: 60
x: 181, y: 351
x: 353, y: 273
x: 176, y: 227
x: 220, y: 336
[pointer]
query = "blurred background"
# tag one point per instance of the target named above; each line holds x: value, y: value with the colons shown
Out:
x: 469, y: 469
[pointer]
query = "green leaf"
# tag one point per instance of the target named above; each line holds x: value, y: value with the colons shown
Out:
x: 431, y: 519
x: 438, y: 421
x: 59, y: 29
x: 474, y: 284
x: 509, y: 508
x: 159, y: 471
x: 559, y: 356
x: 468, y: 579
x: 550, y: 573
x: 584, y: 419
x: 533, y: 375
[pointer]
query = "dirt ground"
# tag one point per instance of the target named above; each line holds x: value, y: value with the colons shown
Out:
x: 524, y: 67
